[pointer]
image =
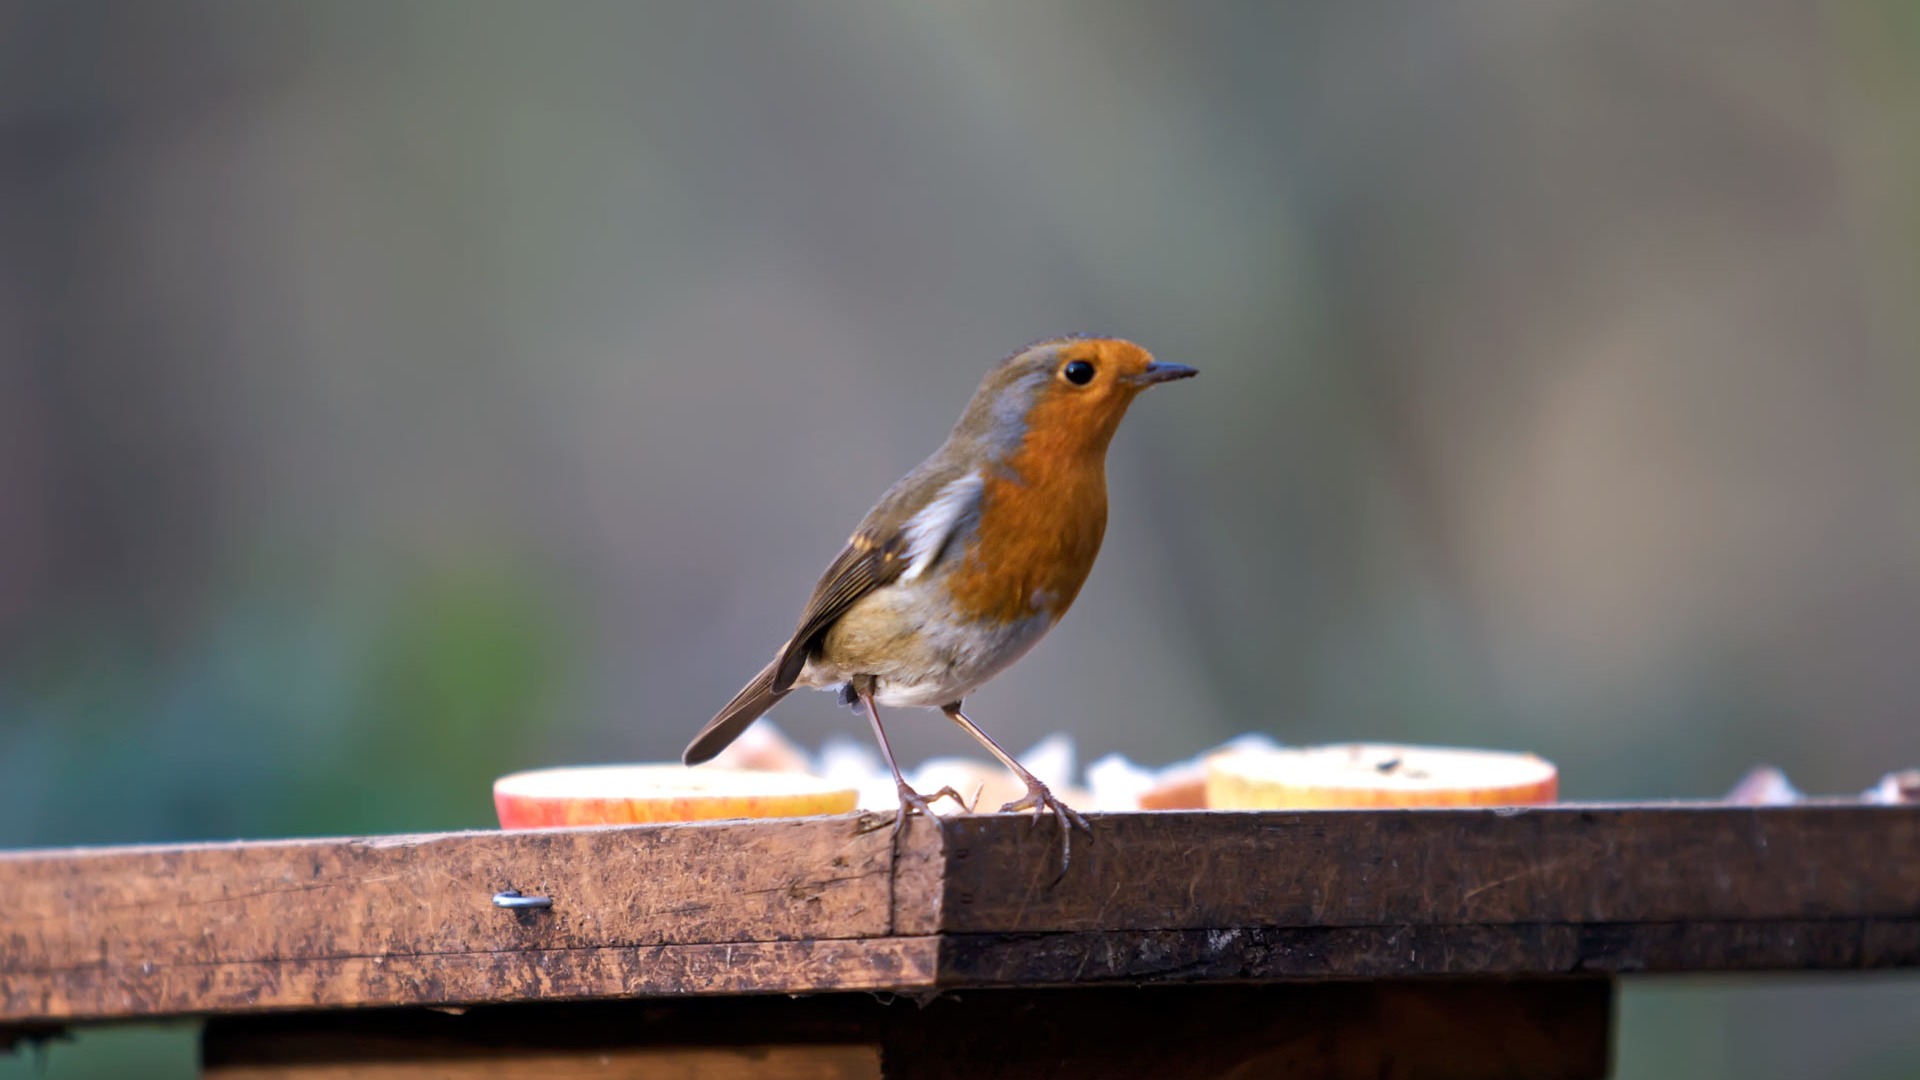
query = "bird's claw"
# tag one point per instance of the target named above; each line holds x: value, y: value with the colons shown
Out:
x: 1043, y: 802
x: 946, y: 792
x: 912, y: 802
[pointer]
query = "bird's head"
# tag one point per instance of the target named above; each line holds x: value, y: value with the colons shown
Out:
x: 1065, y: 395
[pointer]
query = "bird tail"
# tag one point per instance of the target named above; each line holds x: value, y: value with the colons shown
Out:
x: 753, y: 699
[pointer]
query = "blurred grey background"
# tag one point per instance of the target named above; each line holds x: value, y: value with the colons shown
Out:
x: 396, y: 394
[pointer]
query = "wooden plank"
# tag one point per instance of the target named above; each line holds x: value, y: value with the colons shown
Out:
x: 1134, y: 957
x: 494, y: 1032
x: 149, y: 931
x: 103, y: 993
x: 920, y: 884
x: 1484, y: 1030
x: 1532, y: 1030
x: 702, y: 1063
x: 770, y: 1063
x: 747, y: 881
x: 746, y: 907
x: 1562, y: 865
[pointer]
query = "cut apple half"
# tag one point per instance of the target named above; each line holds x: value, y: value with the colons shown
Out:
x: 637, y: 794
x: 1357, y: 775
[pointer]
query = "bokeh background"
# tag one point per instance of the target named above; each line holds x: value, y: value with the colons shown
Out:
x: 395, y: 394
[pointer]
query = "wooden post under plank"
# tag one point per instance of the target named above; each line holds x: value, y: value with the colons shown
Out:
x: 1483, y: 1030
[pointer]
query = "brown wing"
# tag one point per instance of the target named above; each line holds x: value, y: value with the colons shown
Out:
x: 865, y: 564
x: 753, y: 699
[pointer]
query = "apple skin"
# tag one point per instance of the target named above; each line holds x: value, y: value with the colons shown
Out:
x: 1188, y: 791
x: 1317, y: 778
x: 663, y: 793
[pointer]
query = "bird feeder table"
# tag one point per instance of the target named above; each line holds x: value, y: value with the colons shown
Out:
x: 1445, y: 943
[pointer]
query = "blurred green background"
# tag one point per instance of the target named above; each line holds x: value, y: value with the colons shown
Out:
x: 395, y: 394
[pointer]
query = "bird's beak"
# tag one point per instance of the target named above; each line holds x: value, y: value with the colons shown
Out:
x: 1158, y: 372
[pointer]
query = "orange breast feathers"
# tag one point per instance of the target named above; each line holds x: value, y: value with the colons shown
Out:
x: 1043, y: 513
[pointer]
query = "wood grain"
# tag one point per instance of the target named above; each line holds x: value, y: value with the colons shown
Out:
x: 919, y: 885
x: 646, y: 885
x: 1564, y: 865
x: 105, y: 993
x: 838, y: 903
x: 1139, y: 957
x: 152, y: 931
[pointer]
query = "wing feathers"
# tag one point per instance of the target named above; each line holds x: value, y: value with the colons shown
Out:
x: 873, y: 559
x: 863, y: 566
x: 930, y: 529
x: 747, y: 706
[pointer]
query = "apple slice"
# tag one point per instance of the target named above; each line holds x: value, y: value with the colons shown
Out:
x: 1376, y: 775
x: 633, y: 794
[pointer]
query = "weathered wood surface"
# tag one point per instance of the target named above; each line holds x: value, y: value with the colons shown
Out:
x: 751, y: 967
x: 1442, y: 868
x: 1375, y: 894
x: 746, y: 906
x: 1538, y: 1030
x: 833, y: 904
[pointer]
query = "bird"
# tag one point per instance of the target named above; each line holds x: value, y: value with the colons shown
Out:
x: 966, y: 561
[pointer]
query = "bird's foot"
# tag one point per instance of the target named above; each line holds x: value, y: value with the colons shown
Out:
x: 912, y: 802
x: 1043, y: 802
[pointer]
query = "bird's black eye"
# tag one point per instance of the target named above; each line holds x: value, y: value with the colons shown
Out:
x: 1078, y: 372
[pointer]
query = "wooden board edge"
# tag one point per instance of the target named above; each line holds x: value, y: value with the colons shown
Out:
x: 1438, y: 867
x: 777, y: 880
x: 1242, y: 954
x: 903, y: 964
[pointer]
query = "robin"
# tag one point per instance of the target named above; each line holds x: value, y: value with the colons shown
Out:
x: 968, y: 560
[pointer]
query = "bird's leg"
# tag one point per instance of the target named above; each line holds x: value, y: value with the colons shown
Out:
x: 910, y: 800
x: 1038, y: 799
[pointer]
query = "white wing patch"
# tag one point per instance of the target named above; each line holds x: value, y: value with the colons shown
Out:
x: 930, y: 529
